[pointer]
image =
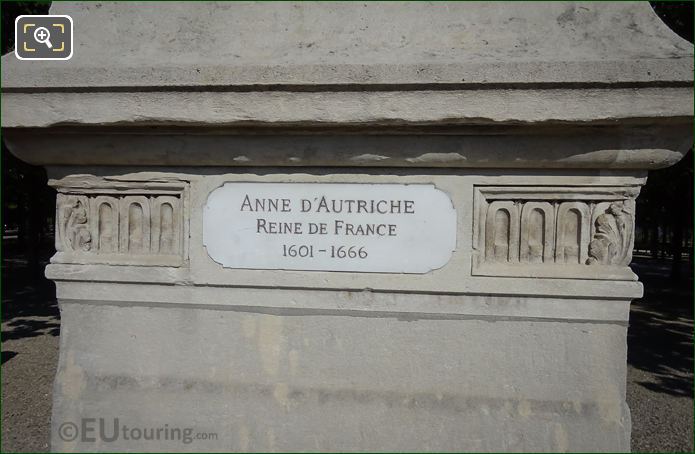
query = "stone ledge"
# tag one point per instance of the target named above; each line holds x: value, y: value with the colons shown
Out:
x: 171, y: 279
x: 622, y: 147
x: 375, y: 77
x: 387, y: 108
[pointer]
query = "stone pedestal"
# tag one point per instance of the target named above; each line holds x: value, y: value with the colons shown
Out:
x: 491, y: 317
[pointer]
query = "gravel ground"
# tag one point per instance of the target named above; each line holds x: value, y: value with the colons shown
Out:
x: 30, y: 334
x: 660, y: 360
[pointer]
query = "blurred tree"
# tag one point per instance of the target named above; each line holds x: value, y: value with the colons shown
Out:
x: 665, y: 212
x: 678, y: 16
x: 665, y: 206
x: 10, y: 10
x: 27, y: 203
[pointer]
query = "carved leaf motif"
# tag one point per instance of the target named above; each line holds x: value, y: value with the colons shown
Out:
x: 612, y: 242
x: 73, y: 224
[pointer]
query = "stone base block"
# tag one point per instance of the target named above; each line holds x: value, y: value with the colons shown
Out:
x: 257, y: 378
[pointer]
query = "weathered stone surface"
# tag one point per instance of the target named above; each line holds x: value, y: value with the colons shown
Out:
x: 395, y: 43
x: 287, y: 360
x: 538, y: 123
x: 281, y: 381
x: 308, y: 74
x: 589, y: 147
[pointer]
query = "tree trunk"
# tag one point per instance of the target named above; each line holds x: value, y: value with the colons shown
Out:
x: 676, y: 247
x: 654, y: 240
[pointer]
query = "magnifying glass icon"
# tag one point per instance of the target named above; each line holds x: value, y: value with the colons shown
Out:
x: 43, y: 36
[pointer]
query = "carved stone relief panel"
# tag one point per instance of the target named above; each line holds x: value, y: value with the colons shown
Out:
x: 568, y: 232
x: 120, y: 222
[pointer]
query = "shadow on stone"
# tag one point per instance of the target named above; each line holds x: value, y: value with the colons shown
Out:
x: 8, y: 355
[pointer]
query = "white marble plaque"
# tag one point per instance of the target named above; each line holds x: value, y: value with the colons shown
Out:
x: 380, y: 228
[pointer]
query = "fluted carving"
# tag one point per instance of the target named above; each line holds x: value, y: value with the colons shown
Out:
x: 537, y: 233
x: 166, y: 225
x: 135, y: 222
x: 503, y: 240
x: 105, y: 226
x: 572, y: 244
